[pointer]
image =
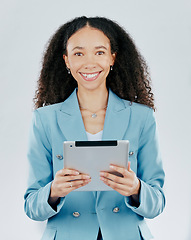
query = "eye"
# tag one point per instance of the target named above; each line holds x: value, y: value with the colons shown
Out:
x: 100, y: 53
x: 78, y: 54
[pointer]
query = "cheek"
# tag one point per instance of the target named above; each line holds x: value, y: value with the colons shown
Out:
x: 105, y: 63
x: 74, y: 66
x: 74, y: 63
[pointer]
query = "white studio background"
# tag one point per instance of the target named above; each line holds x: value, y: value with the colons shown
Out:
x: 162, y: 32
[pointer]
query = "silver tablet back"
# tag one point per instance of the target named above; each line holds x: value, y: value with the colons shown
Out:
x: 91, y: 157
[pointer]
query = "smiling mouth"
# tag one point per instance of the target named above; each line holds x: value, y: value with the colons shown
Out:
x: 90, y: 76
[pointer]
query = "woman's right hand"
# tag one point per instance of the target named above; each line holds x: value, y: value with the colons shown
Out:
x: 65, y: 181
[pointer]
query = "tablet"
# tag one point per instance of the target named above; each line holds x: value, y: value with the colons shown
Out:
x: 91, y: 157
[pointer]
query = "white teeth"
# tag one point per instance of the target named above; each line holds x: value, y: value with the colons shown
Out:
x: 90, y: 75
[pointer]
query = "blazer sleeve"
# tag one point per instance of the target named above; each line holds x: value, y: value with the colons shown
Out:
x: 149, y: 171
x: 40, y: 173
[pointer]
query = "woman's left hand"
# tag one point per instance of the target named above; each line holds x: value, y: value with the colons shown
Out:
x: 127, y: 185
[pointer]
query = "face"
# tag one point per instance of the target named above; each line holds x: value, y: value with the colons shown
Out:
x: 89, y: 58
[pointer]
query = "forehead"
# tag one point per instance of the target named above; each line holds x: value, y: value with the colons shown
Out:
x: 88, y: 37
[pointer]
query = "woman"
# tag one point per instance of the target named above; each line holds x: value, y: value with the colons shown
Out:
x: 94, y: 85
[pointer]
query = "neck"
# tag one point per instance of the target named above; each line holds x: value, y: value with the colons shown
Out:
x: 93, y: 100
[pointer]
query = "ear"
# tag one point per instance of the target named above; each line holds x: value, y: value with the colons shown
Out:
x: 65, y: 57
x: 113, y: 58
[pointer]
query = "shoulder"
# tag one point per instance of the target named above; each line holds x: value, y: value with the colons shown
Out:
x: 140, y: 113
x: 49, y: 109
x: 68, y: 103
x: 137, y: 110
x: 46, y: 114
x: 136, y: 107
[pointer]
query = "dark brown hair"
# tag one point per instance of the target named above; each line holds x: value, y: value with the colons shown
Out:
x: 129, y: 79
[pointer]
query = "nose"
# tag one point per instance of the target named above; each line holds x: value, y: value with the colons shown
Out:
x: 89, y: 62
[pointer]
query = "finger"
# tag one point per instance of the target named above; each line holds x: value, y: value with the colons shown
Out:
x: 67, y: 171
x: 112, y: 177
x: 73, y: 186
x: 116, y: 186
x: 62, y: 189
x: 75, y: 177
x: 77, y: 183
x: 122, y: 189
x: 121, y: 170
x: 129, y: 166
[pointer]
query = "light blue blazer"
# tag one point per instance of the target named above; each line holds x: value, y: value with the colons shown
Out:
x: 80, y: 214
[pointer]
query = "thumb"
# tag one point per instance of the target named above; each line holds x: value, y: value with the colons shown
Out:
x: 129, y: 166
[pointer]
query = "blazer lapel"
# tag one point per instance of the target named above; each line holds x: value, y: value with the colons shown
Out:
x: 71, y: 123
x: 70, y: 120
x: 117, y: 118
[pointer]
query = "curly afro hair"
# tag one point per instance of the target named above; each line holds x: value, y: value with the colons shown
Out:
x: 129, y: 79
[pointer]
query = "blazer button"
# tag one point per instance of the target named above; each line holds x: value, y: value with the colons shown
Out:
x: 116, y: 210
x: 76, y: 214
x: 131, y: 153
x: 59, y: 157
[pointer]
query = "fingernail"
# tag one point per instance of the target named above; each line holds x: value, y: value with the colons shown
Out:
x: 76, y: 173
x: 88, y: 180
x: 87, y: 177
x: 111, y: 166
x: 101, y: 174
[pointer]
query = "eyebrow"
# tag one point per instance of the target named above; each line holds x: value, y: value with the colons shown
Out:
x: 77, y: 48
x: 97, y: 47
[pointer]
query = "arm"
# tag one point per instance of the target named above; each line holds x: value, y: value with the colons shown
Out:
x: 40, y: 174
x: 45, y: 197
x: 150, y: 172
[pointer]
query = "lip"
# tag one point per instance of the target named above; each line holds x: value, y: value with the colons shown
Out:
x: 90, y: 76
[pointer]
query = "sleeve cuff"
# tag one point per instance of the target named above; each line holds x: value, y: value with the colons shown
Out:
x: 46, y: 208
x: 128, y: 201
x: 151, y: 201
